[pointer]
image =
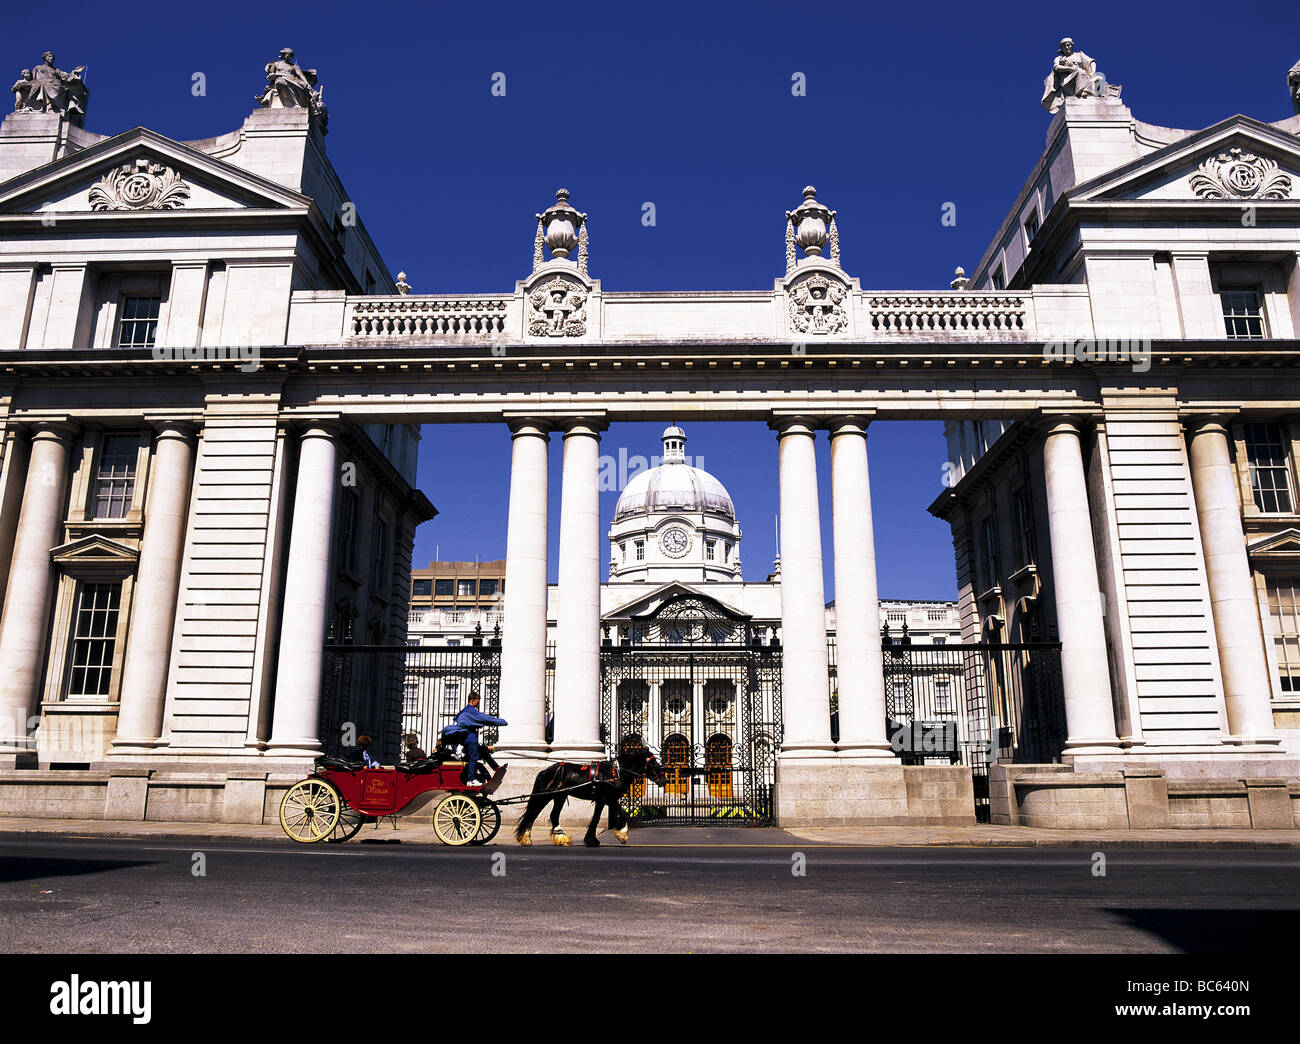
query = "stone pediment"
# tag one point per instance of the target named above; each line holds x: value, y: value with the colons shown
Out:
x: 649, y: 602
x: 1239, y: 161
x: 1286, y: 542
x: 95, y: 550
x: 139, y: 172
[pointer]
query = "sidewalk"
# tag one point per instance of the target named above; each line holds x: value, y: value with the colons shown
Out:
x: 415, y: 833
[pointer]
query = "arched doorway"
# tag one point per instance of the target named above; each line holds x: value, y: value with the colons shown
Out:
x: 717, y: 765
x: 677, y: 764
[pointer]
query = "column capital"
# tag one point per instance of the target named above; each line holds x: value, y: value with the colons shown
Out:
x: 61, y: 430
x: 592, y: 426
x: 527, y: 424
x: 318, y: 428
x: 1218, y: 420
x: 172, y: 427
x: 794, y: 424
x: 850, y: 423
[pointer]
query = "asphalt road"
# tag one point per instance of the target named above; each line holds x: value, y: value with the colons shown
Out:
x: 93, y: 895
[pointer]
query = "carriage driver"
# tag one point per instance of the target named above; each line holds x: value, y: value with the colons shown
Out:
x: 466, y: 727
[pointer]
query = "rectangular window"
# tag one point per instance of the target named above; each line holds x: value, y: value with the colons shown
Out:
x: 487, y: 587
x: 1270, y: 471
x: 453, y: 643
x: 1024, y: 512
x: 640, y: 550
x: 115, y: 476
x: 465, y: 588
x: 137, y: 322
x: 1031, y: 228
x: 443, y: 588
x: 710, y: 549
x: 942, y: 696
x: 379, y: 556
x: 940, y: 639
x: 347, y: 552
x: 999, y: 281
x: 94, y: 639
x: 1243, y: 314
x: 991, y: 572
x: 422, y: 588
x: 1284, y: 609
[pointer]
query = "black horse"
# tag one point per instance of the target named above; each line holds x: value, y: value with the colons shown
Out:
x: 603, y: 782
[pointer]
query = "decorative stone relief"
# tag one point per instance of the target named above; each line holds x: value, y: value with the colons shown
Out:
x: 139, y: 186
x: 1240, y: 175
x: 557, y: 309
x: 819, y: 305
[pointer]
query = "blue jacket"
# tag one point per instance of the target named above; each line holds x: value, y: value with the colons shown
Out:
x: 470, y: 719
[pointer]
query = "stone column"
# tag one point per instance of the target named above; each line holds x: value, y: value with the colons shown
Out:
x: 805, y: 679
x: 861, y: 672
x: 27, y: 597
x: 144, y: 676
x: 1085, y: 675
x: 523, y: 633
x: 18, y: 448
x: 296, y: 716
x: 577, y: 616
x: 1246, y: 687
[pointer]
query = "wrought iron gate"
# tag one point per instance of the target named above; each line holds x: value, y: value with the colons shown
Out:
x: 692, y: 683
x: 386, y: 691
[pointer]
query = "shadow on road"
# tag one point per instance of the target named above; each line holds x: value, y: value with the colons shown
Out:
x: 27, y: 868
x: 1257, y: 932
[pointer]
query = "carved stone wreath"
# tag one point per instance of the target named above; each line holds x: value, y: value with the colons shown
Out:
x: 557, y: 309
x: 1240, y: 175
x: 818, y: 306
x: 139, y: 186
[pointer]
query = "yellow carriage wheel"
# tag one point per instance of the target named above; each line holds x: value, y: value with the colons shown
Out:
x: 310, y: 811
x: 456, y: 820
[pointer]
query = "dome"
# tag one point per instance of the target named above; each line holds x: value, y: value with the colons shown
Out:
x: 674, y: 486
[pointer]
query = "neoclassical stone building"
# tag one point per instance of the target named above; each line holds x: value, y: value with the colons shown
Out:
x: 212, y: 390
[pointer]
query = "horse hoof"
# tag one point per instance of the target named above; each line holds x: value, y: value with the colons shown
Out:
x: 621, y: 834
x: 525, y: 840
x: 561, y: 839
x: 591, y: 843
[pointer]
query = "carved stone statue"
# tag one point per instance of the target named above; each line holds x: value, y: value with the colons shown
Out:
x: 47, y: 89
x: 1293, y: 85
x: 289, y: 86
x: 1073, y: 75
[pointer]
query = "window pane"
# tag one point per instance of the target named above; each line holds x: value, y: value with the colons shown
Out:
x: 1284, y: 611
x: 137, y: 325
x: 115, y: 476
x: 487, y: 587
x: 442, y: 587
x: 1270, y: 473
x: 94, y: 639
x: 1242, y: 312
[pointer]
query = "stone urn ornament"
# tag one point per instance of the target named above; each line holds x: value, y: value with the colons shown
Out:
x: 561, y: 228
x: 811, y: 226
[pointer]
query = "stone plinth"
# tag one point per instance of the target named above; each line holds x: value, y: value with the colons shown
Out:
x: 836, y: 794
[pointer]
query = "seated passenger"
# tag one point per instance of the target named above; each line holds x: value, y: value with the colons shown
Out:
x: 413, y: 751
x: 367, y: 759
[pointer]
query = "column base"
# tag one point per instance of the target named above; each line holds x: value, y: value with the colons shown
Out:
x: 294, y: 749
x: 1090, y: 747
x: 880, y: 752
x: 121, y: 746
x: 835, y: 793
x: 816, y: 752
x: 577, y: 752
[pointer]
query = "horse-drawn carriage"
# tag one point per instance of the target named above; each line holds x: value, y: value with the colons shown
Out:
x: 342, y: 796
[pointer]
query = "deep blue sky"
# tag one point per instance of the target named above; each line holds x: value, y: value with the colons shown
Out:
x: 687, y: 106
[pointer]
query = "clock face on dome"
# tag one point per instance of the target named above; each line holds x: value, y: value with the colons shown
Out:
x: 675, y: 541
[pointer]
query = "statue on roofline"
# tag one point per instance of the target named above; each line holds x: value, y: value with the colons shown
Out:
x: 48, y: 89
x: 289, y: 86
x: 1073, y: 75
x: 1293, y: 85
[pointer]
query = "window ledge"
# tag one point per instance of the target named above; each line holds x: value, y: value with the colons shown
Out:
x: 1025, y: 572
x: 991, y: 593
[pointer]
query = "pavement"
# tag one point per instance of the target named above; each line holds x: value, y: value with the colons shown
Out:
x: 415, y: 832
